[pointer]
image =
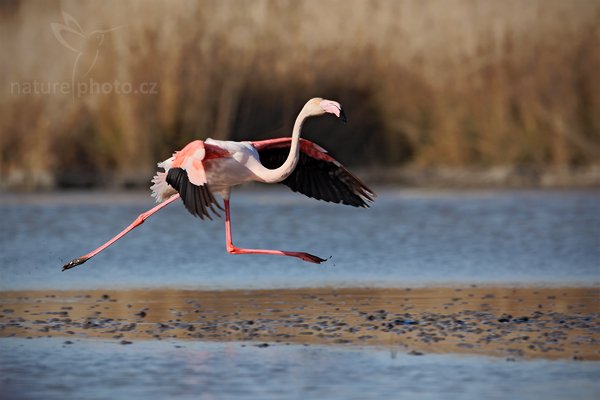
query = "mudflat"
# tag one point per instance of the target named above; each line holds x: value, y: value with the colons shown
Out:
x: 521, y: 322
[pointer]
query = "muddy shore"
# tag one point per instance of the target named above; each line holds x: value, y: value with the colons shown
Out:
x: 550, y: 323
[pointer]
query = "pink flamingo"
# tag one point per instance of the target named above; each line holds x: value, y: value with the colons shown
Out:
x: 213, y: 166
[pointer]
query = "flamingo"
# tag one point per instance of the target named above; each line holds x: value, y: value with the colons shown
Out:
x: 204, y: 168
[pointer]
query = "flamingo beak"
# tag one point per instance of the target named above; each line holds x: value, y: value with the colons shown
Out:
x: 335, y: 108
x: 343, y: 115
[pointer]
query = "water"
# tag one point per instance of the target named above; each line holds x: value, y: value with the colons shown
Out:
x: 86, y: 369
x: 406, y: 238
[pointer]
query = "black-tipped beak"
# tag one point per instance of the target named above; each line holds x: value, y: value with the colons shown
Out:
x: 343, y: 115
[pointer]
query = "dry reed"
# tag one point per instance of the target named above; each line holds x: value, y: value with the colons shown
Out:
x: 426, y: 83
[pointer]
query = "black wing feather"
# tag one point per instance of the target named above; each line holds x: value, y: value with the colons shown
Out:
x: 197, y: 199
x: 319, y: 179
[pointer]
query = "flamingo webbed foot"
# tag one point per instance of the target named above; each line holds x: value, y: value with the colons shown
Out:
x: 74, y: 263
x: 310, y: 258
x: 231, y: 249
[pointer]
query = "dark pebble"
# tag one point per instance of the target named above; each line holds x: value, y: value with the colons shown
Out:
x: 365, y: 337
x: 342, y: 341
x: 129, y: 327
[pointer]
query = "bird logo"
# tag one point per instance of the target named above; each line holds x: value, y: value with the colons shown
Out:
x: 86, y: 46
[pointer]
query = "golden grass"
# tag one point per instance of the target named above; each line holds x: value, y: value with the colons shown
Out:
x: 425, y: 83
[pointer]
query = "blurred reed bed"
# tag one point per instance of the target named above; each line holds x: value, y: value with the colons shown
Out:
x: 456, y: 83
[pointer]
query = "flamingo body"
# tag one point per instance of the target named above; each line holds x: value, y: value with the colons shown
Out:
x: 204, y: 168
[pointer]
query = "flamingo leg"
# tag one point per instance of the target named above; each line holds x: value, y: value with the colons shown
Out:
x: 231, y: 249
x: 137, y: 222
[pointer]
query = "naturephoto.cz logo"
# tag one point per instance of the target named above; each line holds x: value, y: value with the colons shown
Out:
x: 80, y: 88
x: 86, y: 49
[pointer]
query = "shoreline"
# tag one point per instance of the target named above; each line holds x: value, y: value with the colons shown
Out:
x: 335, y: 286
x: 501, y: 177
x: 512, y: 322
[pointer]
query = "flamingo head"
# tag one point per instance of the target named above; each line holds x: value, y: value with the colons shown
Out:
x: 322, y: 106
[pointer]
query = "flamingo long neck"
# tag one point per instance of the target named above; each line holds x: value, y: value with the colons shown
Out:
x: 278, y: 174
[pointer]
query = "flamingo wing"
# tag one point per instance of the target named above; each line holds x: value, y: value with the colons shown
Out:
x: 317, y: 174
x: 186, y: 174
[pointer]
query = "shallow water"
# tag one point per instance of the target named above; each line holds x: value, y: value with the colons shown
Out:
x: 406, y: 238
x: 87, y: 369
